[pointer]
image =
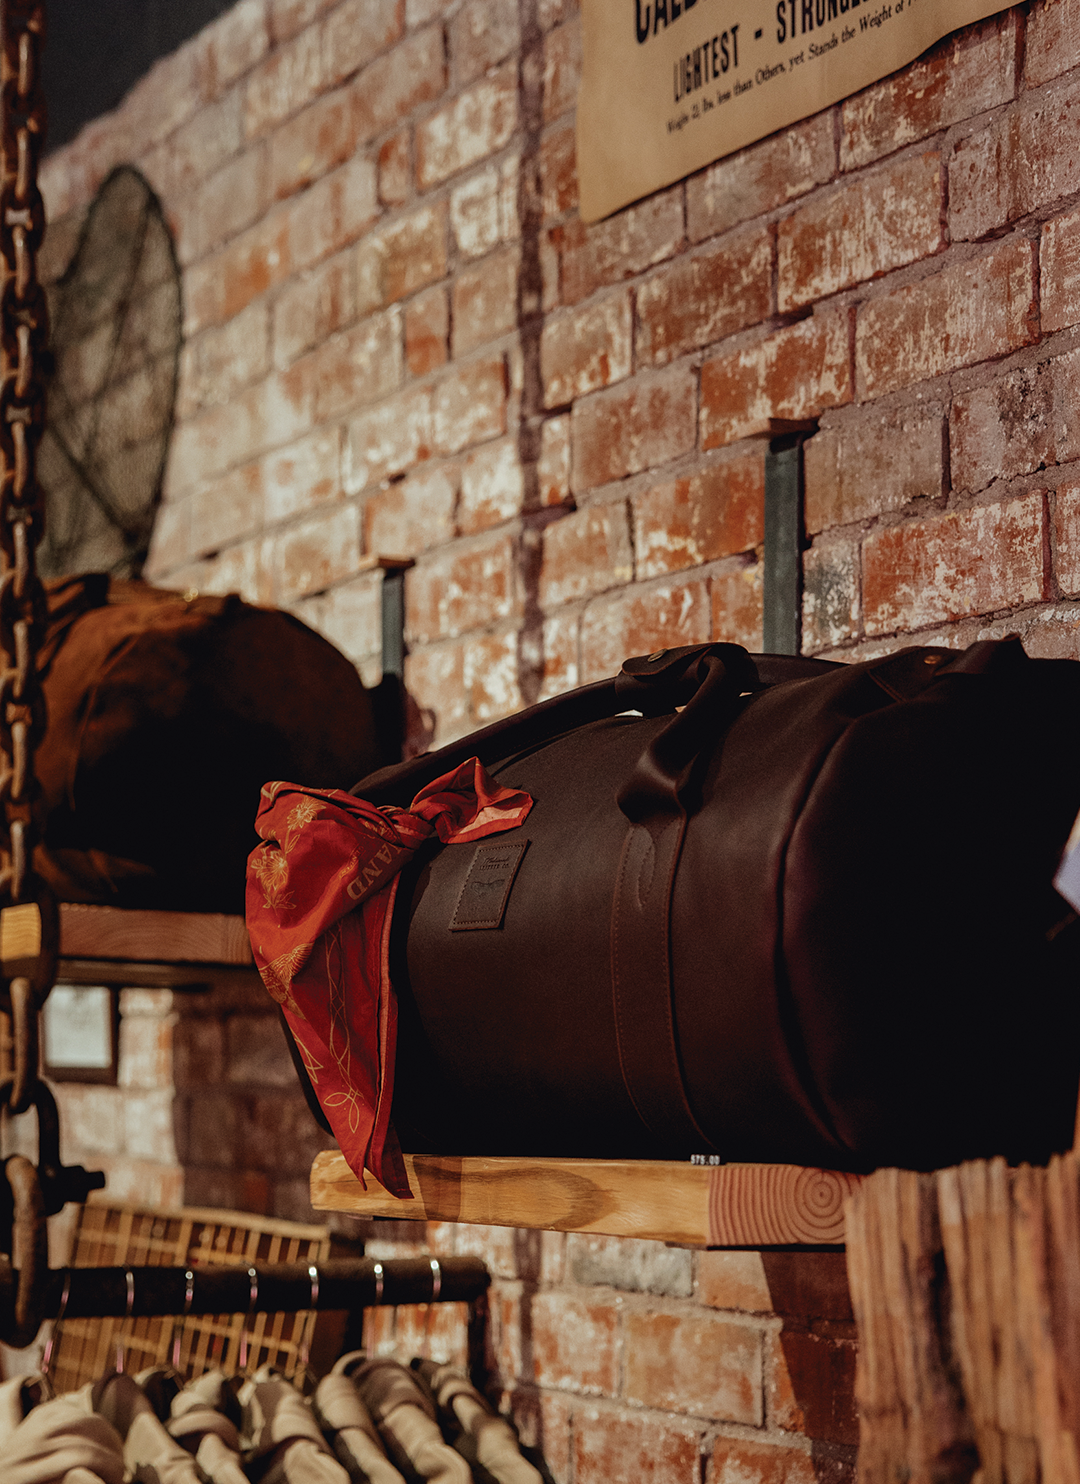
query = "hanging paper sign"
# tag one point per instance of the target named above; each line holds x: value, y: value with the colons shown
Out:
x: 668, y: 86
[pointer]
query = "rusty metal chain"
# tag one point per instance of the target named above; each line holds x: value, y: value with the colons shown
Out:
x: 24, y: 331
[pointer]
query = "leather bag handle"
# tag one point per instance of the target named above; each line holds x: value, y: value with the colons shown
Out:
x: 654, y: 684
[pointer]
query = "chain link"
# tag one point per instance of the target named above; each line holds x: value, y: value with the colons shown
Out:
x: 24, y: 330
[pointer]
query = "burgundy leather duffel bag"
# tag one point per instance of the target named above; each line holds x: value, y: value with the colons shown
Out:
x: 789, y: 911
x: 166, y: 715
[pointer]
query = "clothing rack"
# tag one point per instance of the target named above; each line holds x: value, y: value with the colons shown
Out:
x: 261, y: 1288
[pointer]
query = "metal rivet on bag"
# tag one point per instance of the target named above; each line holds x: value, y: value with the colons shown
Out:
x: 659, y: 655
x: 932, y: 659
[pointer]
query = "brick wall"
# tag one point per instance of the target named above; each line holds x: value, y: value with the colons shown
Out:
x: 401, y: 339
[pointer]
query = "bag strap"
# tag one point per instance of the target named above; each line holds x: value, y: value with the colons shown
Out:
x: 658, y: 682
x: 655, y: 802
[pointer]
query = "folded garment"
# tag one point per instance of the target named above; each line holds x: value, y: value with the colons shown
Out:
x: 150, y: 1454
x: 58, y: 1442
x: 478, y: 1433
x: 405, y: 1416
x: 205, y: 1419
x: 280, y: 1436
x: 349, y: 1427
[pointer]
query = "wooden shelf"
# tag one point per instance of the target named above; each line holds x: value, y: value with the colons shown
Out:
x: 735, y: 1205
x: 141, y: 947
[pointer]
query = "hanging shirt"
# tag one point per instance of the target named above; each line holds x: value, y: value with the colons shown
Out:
x: 320, y: 900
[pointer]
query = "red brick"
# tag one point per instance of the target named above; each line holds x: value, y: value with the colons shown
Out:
x: 490, y: 677
x: 463, y: 587
x: 481, y: 35
x: 693, y: 1362
x: 1059, y: 259
x: 314, y: 306
x: 966, y: 74
x: 324, y: 549
x: 809, y: 1285
x: 701, y: 517
x: 736, y: 597
x: 305, y: 474
x: 737, y: 1462
x: 319, y: 138
x: 261, y: 417
x: 288, y: 78
x: 358, y: 365
x: 469, y: 405
x: 393, y: 85
x: 218, y: 362
x: 543, y: 1422
x: 795, y: 373
x: 558, y: 172
x: 485, y: 301
x: 620, y: 1447
x: 621, y: 246
x: 287, y: 17
x: 476, y: 124
x: 1067, y: 538
x: 1052, y: 41
x: 870, y: 226
x: 811, y: 1387
x: 197, y: 148
x: 388, y: 439
x: 967, y: 313
x: 427, y: 328
x: 492, y: 487
x: 483, y: 209
x: 633, y: 427
x: 413, y: 514
x: 395, y: 169
x: 233, y: 44
x: 561, y: 654
x: 438, y: 1330
x: 628, y: 1263
x: 586, y: 553
x: 562, y: 69
x: 1023, y: 160
x: 355, y: 31
x: 224, y: 205
x: 574, y: 1343
x: 350, y: 616
x: 403, y: 257
x: 229, y: 508
x: 434, y: 679
x: 830, y: 595
x: 586, y: 349
x: 250, y: 568
x: 553, y: 469
x: 768, y: 174
x: 733, y: 1280
x: 699, y: 299
x: 641, y: 618
x: 862, y: 467
x: 332, y: 212
x: 966, y: 562
x: 1014, y: 425
x: 164, y: 97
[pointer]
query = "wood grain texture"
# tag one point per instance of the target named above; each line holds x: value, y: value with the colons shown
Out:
x: 667, y: 1200
x: 90, y: 932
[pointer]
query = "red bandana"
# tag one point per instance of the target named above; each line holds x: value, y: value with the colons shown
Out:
x: 326, y: 853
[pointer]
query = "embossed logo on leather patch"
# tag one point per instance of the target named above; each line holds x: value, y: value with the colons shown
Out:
x: 486, y: 889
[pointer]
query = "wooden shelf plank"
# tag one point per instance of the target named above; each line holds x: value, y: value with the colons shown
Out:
x: 90, y: 932
x: 670, y: 1201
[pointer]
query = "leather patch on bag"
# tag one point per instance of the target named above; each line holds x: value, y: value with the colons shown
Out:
x: 486, y: 889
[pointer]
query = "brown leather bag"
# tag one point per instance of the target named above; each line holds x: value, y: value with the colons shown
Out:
x: 808, y: 917
x: 166, y: 715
